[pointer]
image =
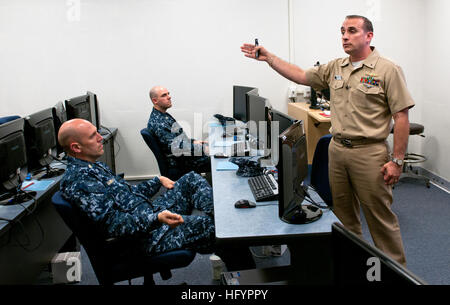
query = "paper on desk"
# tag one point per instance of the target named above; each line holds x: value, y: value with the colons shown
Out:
x: 226, y: 166
x: 37, y: 185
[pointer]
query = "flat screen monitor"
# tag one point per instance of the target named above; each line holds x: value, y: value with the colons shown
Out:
x: 257, y: 119
x: 356, y: 262
x: 240, y: 102
x: 40, y: 138
x: 313, y: 99
x: 284, y: 120
x: 59, y: 117
x: 13, y: 154
x: 292, y: 170
x: 83, y: 107
x: 94, y: 109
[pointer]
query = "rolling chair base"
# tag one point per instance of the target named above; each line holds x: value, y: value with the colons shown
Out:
x: 410, y: 172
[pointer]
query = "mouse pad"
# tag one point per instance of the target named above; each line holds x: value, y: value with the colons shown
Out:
x: 226, y: 166
x: 36, y: 185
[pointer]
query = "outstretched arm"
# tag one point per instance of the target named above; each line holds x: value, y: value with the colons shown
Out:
x: 287, y: 70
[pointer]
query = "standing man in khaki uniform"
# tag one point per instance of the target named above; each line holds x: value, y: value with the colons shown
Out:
x: 366, y: 92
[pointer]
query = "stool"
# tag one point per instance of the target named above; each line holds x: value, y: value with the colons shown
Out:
x: 412, y: 158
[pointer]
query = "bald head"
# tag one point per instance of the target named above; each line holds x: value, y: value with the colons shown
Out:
x: 80, y: 139
x: 154, y: 92
x: 68, y: 132
x: 161, y: 99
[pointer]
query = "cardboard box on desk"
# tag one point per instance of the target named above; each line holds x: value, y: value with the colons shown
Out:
x: 66, y: 268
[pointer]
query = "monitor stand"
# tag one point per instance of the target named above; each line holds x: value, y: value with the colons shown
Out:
x: 302, y: 214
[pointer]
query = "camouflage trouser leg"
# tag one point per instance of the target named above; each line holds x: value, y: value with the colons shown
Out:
x: 196, y: 233
x: 190, y: 191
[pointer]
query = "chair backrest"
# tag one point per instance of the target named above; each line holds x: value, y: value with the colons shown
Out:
x: 6, y: 119
x: 153, y: 145
x: 118, y: 261
x: 85, y: 231
x: 319, y: 170
x: 164, y: 168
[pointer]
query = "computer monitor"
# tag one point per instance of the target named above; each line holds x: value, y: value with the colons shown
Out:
x: 257, y: 113
x: 94, y: 109
x: 83, y: 107
x: 59, y: 117
x: 292, y: 170
x: 284, y: 120
x: 313, y: 99
x: 13, y: 154
x: 40, y: 138
x: 356, y: 262
x: 240, y: 102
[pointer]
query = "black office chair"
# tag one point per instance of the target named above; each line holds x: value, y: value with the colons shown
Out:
x: 319, y: 170
x: 6, y: 119
x: 164, y: 168
x: 116, y: 260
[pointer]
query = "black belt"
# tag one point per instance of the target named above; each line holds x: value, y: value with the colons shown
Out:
x: 355, y: 142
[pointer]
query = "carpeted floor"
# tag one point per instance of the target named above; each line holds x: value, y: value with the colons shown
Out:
x: 424, y: 221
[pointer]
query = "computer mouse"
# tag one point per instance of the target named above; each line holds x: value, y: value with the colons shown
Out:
x: 244, y: 204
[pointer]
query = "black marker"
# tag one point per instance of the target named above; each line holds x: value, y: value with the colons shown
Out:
x: 257, y: 51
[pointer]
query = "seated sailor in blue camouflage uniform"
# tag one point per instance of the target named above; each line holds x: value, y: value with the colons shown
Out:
x: 123, y: 210
x: 182, y: 152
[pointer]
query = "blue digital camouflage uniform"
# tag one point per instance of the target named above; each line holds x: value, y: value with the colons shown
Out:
x: 121, y: 209
x: 179, y: 149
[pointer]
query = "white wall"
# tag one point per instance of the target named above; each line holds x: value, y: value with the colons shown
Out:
x: 435, y: 112
x: 51, y: 51
x: 120, y: 49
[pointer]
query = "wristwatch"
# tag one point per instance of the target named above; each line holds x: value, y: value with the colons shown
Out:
x: 399, y: 162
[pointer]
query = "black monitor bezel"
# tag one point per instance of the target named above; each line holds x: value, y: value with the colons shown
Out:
x: 38, y: 156
x: 72, y: 103
x: 292, y: 136
x: 94, y: 108
x: 59, y: 116
x: 7, y: 130
x: 261, y: 105
x: 350, y: 262
x: 239, y: 96
x: 284, y: 116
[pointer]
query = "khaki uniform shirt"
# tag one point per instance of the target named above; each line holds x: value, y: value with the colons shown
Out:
x: 364, y: 99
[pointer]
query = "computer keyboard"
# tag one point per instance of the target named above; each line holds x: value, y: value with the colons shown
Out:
x: 264, y: 187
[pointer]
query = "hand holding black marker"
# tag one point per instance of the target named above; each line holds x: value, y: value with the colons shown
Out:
x: 257, y: 51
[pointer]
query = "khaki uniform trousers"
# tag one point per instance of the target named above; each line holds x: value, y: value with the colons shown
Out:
x: 356, y: 181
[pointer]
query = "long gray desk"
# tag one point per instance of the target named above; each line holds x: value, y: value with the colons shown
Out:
x: 28, y: 242
x: 309, y: 244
